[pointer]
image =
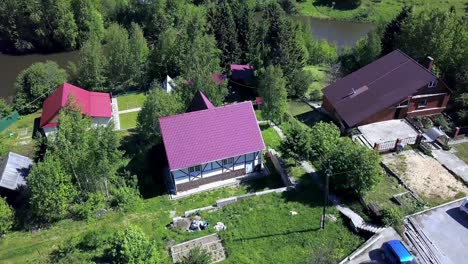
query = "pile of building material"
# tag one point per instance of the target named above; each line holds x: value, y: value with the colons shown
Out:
x: 427, y: 252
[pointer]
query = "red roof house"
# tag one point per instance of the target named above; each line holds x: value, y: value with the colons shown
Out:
x: 392, y: 87
x: 213, y: 144
x: 94, y: 104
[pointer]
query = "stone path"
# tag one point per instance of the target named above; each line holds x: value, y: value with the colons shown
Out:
x: 130, y: 110
x: 453, y: 163
x: 115, y: 113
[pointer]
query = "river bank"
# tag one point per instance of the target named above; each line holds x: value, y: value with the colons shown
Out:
x: 374, y: 11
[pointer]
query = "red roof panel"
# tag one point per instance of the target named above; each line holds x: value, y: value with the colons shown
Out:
x: 93, y: 104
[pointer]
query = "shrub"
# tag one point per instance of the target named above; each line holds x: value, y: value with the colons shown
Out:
x: 197, y: 256
x: 93, y: 203
x: 125, y: 198
x: 392, y: 216
x: 131, y: 246
x: 315, y: 95
x: 6, y: 217
x: 444, y: 124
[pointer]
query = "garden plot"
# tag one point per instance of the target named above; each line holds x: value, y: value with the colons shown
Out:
x: 211, y: 243
x: 425, y: 175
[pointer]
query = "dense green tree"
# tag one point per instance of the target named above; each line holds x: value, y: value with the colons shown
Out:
x: 88, y: 20
x: 91, y: 156
x: 138, y: 57
x: 225, y: 31
x: 5, y: 108
x: 364, y: 52
x: 35, y: 83
x: 6, y: 217
x: 132, y: 246
x: 165, y: 57
x: 297, y: 144
x: 354, y: 169
x: 92, y: 65
x: 51, y: 190
x: 158, y: 103
x: 299, y: 83
x: 272, y: 90
x: 326, y: 139
x: 442, y: 35
x: 393, y: 30
x: 117, y: 52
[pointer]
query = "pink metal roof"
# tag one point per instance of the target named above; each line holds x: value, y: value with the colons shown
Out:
x: 91, y: 103
x: 200, y: 102
x: 258, y: 100
x: 218, y: 77
x: 208, y: 135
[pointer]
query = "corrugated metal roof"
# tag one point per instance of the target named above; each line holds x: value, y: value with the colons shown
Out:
x: 208, y: 135
x: 15, y: 168
x: 376, y: 86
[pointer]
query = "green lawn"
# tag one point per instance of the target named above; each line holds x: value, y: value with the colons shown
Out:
x: 298, y: 107
x: 270, y: 137
x: 372, y: 10
x: 18, y: 137
x: 130, y: 101
x: 262, y: 229
x: 462, y: 151
x: 258, y: 114
x: 152, y: 217
x: 128, y: 120
x: 320, y: 74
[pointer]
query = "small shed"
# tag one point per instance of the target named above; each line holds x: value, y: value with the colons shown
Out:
x: 241, y: 72
x: 258, y: 101
x: 434, y: 134
x: 14, y: 170
x: 168, y: 84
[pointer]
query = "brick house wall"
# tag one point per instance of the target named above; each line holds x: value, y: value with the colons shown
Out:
x: 435, y: 104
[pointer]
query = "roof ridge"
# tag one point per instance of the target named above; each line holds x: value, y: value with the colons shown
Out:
x: 209, y: 109
x: 419, y: 64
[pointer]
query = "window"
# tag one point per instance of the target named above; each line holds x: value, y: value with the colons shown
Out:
x: 228, y: 161
x: 403, y: 104
x: 422, y: 103
x: 194, y: 169
x: 432, y: 84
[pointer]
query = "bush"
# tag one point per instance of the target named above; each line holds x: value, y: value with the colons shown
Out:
x: 125, y: 198
x: 392, y: 216
x: 131, y: 246
x: 315, y: 95
x: 93, y: 203
x: 6, y: 217
x: 197, y: 256
x: 442, y: 122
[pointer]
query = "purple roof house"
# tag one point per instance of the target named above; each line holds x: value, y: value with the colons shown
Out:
x: 241, y: 72
x: 210, y: 144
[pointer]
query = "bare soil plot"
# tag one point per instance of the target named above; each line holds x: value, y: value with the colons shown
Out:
x: 425, y: 175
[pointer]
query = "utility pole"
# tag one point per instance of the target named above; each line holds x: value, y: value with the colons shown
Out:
x: 325, y: 204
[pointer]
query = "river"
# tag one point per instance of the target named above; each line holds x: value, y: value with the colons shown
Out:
x: 12, y: 65
x: 343, y: 33
x: 340, y: 32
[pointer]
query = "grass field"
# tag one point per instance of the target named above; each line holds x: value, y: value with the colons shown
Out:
x: 260, y: 230
x: 462, y: 151
x: 130, y: 101
x: 128, y: 120
x: 298, y: 107
x: 270, y: 137
x: 373, y: 11
x: 18, y: 137
x: 320, y: 74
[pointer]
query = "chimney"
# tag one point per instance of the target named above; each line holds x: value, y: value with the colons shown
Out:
x: 429, y: 62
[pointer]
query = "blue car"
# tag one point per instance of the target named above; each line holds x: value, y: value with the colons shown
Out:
x: 394, y: 252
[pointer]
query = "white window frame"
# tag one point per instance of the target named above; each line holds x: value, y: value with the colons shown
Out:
x: 432, y: 84
x: 421, y: 104
x: 228, y: 161
x: 193, y: 169
x: 403, y: 104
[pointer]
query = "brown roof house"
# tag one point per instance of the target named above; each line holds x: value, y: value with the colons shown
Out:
x: 392, y: 87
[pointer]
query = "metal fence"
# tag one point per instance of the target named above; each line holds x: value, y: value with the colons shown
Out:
x: 8, y: 120
x: 390, y: 145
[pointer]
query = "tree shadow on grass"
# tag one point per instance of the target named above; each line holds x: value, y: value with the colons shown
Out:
x: 313, y: 117
x: 147, y: 165
x: 339, y: 5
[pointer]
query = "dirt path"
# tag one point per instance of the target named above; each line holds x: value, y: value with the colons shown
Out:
x: 425, y: 175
